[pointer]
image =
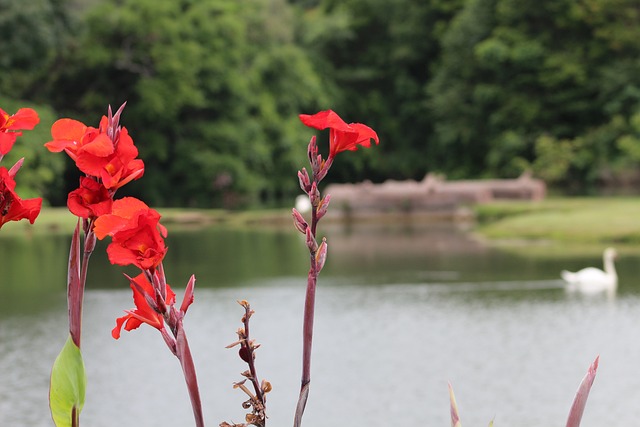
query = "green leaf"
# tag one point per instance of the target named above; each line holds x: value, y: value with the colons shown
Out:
x: 68, y: 384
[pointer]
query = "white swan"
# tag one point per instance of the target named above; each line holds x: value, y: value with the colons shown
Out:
x: 593, y: 280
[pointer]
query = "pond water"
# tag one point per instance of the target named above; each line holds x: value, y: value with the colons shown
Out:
x: 400, y: 312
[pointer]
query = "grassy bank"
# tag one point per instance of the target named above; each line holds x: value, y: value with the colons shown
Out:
x: 599, y: 220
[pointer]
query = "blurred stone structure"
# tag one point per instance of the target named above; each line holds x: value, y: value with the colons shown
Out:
x: 434, y: 194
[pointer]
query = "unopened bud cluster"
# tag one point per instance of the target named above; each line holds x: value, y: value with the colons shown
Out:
x: 319, y: 204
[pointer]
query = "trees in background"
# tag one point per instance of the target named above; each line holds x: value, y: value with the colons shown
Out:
x: 546, y: 85
x: 381, y: 55
x: 469, y: 88
x: 213, y: 88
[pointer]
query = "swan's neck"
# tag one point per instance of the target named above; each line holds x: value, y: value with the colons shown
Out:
x: 609, y: 266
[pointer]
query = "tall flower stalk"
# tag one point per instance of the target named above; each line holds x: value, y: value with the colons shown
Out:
x: 98, y: 152
x: 137, y: 238
x: 108, y: 158
x: 342, y: 137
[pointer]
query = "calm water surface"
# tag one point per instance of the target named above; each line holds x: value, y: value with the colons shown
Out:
x: 401, y: 311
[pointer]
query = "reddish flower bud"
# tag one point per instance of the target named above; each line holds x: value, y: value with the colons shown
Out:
x: 15, y: 168
x: 303, y: 178
x: 299, y: 222
x: 89, y: 242
x: 323, y: 206
x: 321, y: 254
x: 324, y: 168
x: 312, y: 150
x: 245, y: 354
x: 187, y: 300
x: 314, y: 195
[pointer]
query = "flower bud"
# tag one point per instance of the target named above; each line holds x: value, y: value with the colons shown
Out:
x: 15, y: 168
x: 299, y: 221
x: 160, y: 302
x: 314, y: 195
x: 324, y: 168
x: 303, y: 178
x: 317, y: 167
x: 323, y: 206
x: 321, y: 255
x: 89, y: 242
x: 188, y: 298
x: 312, y: 150
x: 151, y: 301
x: 245, y: 354
x: 311, y: 241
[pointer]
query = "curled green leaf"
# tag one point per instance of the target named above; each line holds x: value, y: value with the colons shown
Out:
x: 67, y: 387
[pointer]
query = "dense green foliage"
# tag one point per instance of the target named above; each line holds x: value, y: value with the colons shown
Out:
x: 469, y: 88
x: 213, y: 89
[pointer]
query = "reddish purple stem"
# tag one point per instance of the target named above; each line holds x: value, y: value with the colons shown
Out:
x: 251, y: 362
x: 178, y: 346
x: 307, y: 328
x: 188, y: 368
x: 77, y: 278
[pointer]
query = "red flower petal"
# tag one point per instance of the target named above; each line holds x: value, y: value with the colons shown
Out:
x: 6, y: 141
x: 101, y: 146
x: 323, y: 120
x: 365, y: 134
x: 115, y: 332
x: 128, y: 206
x: 143, y: 313
x: 108, y: 224
x: 23, y: 119
x: 68, y: 130
x: 91, y: 200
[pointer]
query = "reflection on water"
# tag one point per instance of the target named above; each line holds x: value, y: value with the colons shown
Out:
x: 399, y: 313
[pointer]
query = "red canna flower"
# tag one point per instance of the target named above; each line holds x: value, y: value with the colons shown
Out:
x: 137, y: 235
x: 12, y: 207
x: 342, y: 136
x: 116, y: 168
x: 91, y: 200
x: 69, y: 135
x: 145, y: 312
x: 23, y: 119
x: 107, y: 153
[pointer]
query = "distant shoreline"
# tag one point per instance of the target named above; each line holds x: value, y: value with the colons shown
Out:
x: 606, y: 220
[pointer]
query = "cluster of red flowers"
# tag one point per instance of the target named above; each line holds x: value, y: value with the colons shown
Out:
x: 137, y: 236
x: 108, y: 158
x: 105, y: 154
x: 12, y: 207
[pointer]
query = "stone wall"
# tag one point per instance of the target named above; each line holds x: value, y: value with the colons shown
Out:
x: 432, y: 194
